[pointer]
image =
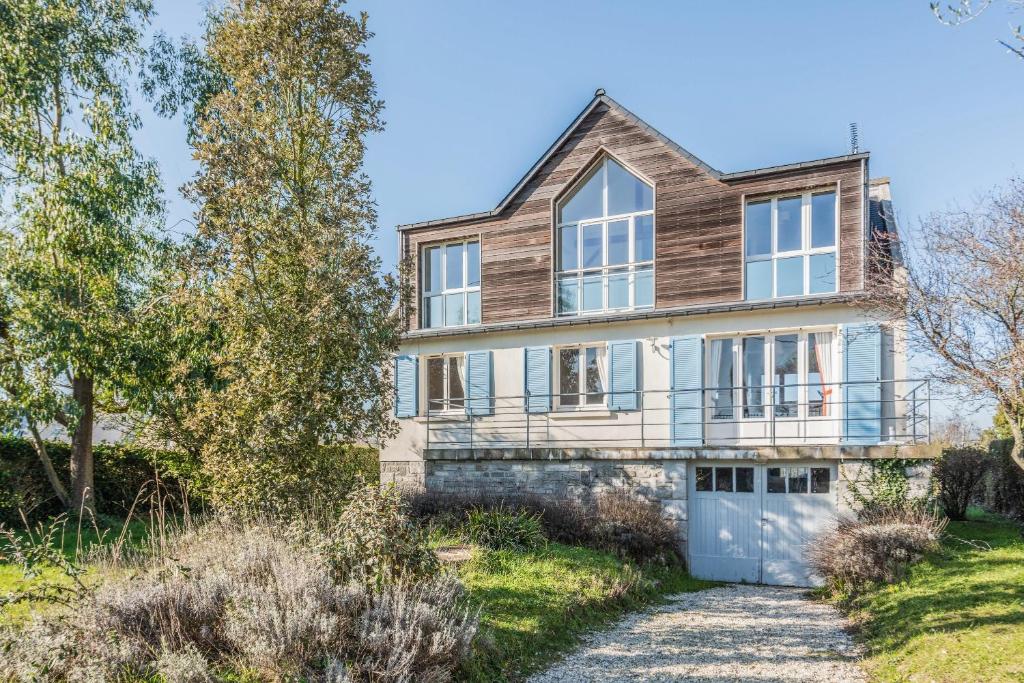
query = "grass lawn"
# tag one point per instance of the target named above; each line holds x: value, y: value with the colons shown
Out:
x: 958, y: 617
x: 537, y: 604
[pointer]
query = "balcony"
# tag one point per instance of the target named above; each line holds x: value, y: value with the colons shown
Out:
x: 827, y: 419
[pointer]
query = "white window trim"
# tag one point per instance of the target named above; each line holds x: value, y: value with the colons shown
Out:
x: 803, y: 412
x: 631, y: 266
x: 425, y: 397
x: 805, y: 252
x: 444, y: 292
x: 581, y: 394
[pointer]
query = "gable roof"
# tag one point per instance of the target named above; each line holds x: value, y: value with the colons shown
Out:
x: 601, y: 98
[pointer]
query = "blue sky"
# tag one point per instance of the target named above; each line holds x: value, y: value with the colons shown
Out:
x: 476, y: 91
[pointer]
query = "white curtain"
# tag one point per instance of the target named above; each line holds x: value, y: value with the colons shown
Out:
x: 716, y: 368
x: 823, y: 354
x: 602, y: 367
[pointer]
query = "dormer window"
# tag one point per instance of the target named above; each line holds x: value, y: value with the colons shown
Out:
x: 450, y: 276
x: 604, y: 240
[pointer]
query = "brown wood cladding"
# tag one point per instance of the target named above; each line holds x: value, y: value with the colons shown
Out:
x: 698, y: 223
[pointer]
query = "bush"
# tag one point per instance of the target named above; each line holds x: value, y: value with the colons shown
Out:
x: 1005, y: 494
x: 122, y: 471
x: 877, y: 548
x: 505, y: 529
x: 635, y: 528
x: 959, y: 472
x: 249, y: 598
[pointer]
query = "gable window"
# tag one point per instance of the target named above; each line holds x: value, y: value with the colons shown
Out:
x: 790, y: 373
x: 604, y: 240
x: 581, y: 376
x: 446, y: 383
x: 450, y: 277
x: 789, y: 245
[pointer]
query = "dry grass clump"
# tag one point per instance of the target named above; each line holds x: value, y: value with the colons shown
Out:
x: 251, y: 598
x: 878, y: 547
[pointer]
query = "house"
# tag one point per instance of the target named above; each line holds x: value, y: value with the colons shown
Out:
x: 629, y: 316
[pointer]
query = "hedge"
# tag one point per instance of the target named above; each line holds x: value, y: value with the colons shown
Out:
x: 1005, y: 490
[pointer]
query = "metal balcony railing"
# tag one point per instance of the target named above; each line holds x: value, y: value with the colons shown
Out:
x: 864, y: 413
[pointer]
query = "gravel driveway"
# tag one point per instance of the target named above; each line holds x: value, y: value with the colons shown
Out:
x: 734, y: 633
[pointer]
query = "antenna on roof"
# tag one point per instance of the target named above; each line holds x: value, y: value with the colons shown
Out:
x: 854, y: 139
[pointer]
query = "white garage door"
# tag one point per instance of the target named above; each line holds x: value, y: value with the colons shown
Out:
x: 753, y: 523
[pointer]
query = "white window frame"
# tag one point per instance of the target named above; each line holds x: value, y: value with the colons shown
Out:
x: 581, y: 369
x: 444, y: 292
x: 803, y: 407
x: 805, y: 251
x: 631, y: 267
x: 425, y: 398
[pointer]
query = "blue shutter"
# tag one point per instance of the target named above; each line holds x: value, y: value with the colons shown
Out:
x: 862, y: 391
x: 622, y: 370
x: 687, y: 402
x: 538, y: 379
x: 406, y: 386
x: 479, y: 395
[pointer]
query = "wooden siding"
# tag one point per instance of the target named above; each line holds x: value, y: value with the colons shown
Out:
x: 698, y: 223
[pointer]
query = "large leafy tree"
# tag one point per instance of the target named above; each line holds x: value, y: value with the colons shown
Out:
x: 76, y: 243
x: 283, y: 277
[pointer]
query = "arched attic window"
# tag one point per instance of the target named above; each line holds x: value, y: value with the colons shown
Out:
x: 605, y: 243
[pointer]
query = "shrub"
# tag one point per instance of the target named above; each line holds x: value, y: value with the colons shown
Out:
x: 248, y: 597
x: 1006, y: 482
x: 959, y: 472
x: 503, y: 528
x: 881, y: 486
x: 635, y: 528
x: 877, y: 548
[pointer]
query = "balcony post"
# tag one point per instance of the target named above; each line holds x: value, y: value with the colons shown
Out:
x: 640, y: 394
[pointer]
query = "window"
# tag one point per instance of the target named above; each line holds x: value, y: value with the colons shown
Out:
x: 724, y: 479
x: 446, y: 383
x: 581, y: 375
x: 605, y: 243
x: 801, y: 382
x: 451, y: 285
x: 790, y: 245
x: 798, y: 480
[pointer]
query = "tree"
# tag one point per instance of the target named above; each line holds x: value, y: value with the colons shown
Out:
x: 303, y: 323
x: 78, y: 204
x: 967, y: 10
x: 963, y: 299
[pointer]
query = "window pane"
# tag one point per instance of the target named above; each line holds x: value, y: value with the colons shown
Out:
x: 618, y: 242
x: 594, y: 361
x: 819, y: 479
x: 618, y: 290
x: 759, y: 280
x: 456, y: 393
x: 744, y: 480
x: 587, y: 201
x: 432, y: 270
x: 435, y: 383
x: 823, y: 220
x: 453, y: 266
x: 721, y: 378
x: 703, y: 479
x: 432, y: 311
x: 568, y: 247
x: 786, y: 377
x: 569, y: 377
x: 753, y: 377
x: 758, y: 228
x: 473, y: 308
x: 626, y: 192
x: 788, y: 219
x: 454, y: 309
x: 789, y: 276
x: 568, y: 295
x: 723, y: 479
x: 819, y: 364
x: 797, y: 479
x: 823, y: 273
x: 592, y: 245
x: 473, y: 264
x: 643, y: 245
x: 593, y: 292
x: 776, y: 483
x: 644, y: 295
